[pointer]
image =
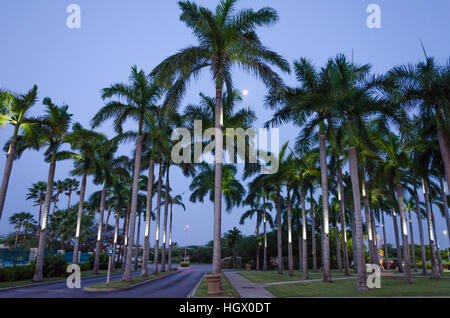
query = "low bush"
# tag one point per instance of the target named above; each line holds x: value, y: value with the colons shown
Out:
x: 185, y: 264
x: 103, y: 261
x: 54, y: 265
x: 85, y: 266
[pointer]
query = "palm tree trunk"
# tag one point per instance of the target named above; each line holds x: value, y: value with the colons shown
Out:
x: 134, y: 195
x: 17, y: 235
x: 434, y: 267
x: 38, y: 272
x: 8, y: 169
x: 438, y: 249
x: 76, y: 247
x: 343, y: 226
x: 257, y: 240
x: 368, y: 222
x: 413, y: 244
x: 39, y: 219
x: 386, y: 254
x: 54, y: 204
x: 217, y: 248
x: 289, y: 221
x: 265, y: 235
x: 105, y: 227
x: 374, y: 235
x: 148, y: 212
x: 116, y: 234
x: 304, y: 237
x: 98, y: 246
x: 166, y: 212
x: 136, y: 253
x: 404, y: 227
x: 325, y: 238
x: 360, y: 259
x: 445, y: 153
x: 422, y: 240
x: 397, y: 242
x: 444, y: 199
x: 338, y: 248
x: 279, y: 239
x: 354, y: 238
x: 158, y: 219
x: 68, y: 200
x: 300, y: 253
x: 313, y: 234
x: 170, y: 239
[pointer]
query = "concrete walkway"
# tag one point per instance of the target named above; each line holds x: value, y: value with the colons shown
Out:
x: 246, y: 288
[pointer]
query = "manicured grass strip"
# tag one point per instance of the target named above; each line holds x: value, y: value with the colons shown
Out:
x: 228, y: 290
x: 262, y: 277
x: 84, y: 274
x: 135, y: 280
x: 390, y: 286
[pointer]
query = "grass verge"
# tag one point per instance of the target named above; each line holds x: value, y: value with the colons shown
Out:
x: 262, y: 277
x: 135, y: 280
x: 228, y: 290
x: 390, y: 287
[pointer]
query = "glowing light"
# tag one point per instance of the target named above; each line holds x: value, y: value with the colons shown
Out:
x: 245, y: 92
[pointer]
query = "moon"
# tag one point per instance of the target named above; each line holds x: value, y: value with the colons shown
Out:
x: 245, y: 92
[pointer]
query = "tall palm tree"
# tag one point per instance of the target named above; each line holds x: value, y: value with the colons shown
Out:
x: 104, y: 169
x: 58, y: 187
x: 226, y: 39
x: 86, y: 142
x: 257, y: 209
x: 425, y: 85
x: 176, y: 200
x: 71, y: 186
x: 18, y: 219
x: 138, y: 98
x: 52, y: 131
x: 14, y: 110
x: 37, y: 193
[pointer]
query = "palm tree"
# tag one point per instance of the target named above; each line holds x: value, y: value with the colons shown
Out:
x: 140, y: 97
x: 232, y: 238
x: 309, y: 107
x: 14, y: 110
x: 18, y: 219
x: 176, y: 200
x: 71, y: 186
x: 104, y: 166
x: 37, y: 193
x: 258, y: 209
x: 86, y: 142
x: 426, y: 85
x: 58, y: 187
x: 52, y: 131
x: 225, y: 40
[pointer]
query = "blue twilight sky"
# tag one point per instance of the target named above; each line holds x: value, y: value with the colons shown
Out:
x: 72, y: 65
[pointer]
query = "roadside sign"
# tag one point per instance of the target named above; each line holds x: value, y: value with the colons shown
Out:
x: 110, y: 251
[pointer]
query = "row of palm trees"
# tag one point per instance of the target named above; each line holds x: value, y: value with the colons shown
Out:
x: 352, y: 116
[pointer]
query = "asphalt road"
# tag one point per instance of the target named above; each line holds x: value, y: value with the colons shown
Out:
x: 174, y: 286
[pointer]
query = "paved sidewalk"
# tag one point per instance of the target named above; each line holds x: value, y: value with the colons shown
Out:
x: 246, y: 288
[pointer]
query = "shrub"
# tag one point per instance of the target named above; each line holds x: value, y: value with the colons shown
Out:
x: 54, y: 265
x: 85, y: 266
x: 103, y: 261
x: 13, y: 273
x: 185, y: 264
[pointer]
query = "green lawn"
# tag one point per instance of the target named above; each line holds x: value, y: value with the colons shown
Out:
x: 228, y: 290
x: 390, y: 286
x: 49, y: 279
x: 135, y: 280
x: 261, y: 277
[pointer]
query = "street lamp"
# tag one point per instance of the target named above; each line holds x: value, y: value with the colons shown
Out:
x: 445, y: 235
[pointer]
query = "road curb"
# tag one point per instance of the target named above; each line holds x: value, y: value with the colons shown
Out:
x: 194, y: 290
x: 107, y: 290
